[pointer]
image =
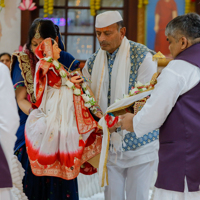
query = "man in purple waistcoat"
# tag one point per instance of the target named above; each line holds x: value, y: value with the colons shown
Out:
x: 9, y: 122
x: 174, y: 107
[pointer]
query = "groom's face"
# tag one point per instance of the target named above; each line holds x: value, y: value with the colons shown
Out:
x: 109, y: 37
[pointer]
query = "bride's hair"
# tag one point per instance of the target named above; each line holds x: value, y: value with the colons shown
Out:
x: 46, y: 29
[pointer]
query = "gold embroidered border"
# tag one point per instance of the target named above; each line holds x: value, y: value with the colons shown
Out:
x: 105, y: 171
x: 102, y: 73
x: 68, y: 173
x: 24, y: 64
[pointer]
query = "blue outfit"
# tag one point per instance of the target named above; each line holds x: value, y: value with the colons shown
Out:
x: 44, y: 187
x: 138, y: 53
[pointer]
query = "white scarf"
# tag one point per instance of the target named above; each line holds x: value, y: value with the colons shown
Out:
x: 119, y: 78
x: 103, y: 176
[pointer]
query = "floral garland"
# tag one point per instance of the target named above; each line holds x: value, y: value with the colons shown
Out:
x: 94, y: 6
x: 139, y: 87
x: 2, y: 4
x: 48, y: 7
x: 88, y: 99
x: 189, y: 6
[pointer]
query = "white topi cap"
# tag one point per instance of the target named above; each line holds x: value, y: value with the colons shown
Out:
x: 107, y: 18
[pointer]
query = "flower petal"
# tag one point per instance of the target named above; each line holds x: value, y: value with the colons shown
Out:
x: 22, y: 7
x: 30, y: 3
x: 33, y: 8
x: 27, y: 3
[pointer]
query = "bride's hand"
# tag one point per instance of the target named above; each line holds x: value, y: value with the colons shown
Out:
x: 76, y: 79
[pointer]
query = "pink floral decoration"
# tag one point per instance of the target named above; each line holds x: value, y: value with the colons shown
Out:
x: 27, y: 5
x: 20, y: 48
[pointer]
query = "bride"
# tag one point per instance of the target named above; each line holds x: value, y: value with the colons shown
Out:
x: 62, y: 131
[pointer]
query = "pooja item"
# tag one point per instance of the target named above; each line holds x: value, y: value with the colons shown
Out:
x: 62, y: 132
x: 158, y: 56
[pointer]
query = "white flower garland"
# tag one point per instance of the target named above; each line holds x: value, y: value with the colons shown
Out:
x: 88, y: 99
x: 139, y: 87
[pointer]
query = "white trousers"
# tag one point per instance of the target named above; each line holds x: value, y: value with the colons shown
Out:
x: 5, y: 194
x: 133, y: 181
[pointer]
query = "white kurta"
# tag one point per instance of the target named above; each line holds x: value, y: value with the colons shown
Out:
x: 176, y: 79
x: 9, y: 123
x: 9, y: 119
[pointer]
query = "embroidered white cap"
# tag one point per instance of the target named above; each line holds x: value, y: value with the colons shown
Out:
x: 107, y: 18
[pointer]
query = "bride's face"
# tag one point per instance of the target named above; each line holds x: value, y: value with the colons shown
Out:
x: 56, y: 51
x: 34, y: 43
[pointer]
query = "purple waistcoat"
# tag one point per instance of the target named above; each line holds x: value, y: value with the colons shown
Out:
x: 5, y: 176
x: 179, y: 153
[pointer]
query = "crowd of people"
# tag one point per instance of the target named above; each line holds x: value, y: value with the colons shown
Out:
x: 51, y: 122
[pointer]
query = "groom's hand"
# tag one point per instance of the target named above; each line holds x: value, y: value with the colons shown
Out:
x: 127, y: 122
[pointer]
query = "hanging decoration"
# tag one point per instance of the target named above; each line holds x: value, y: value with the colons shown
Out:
x: 189, y: 6
x: 141, y: 20
x: 48, y: 7
x: 94, y: 6
x: 2, y: 4
x: 142, y: 3
x: 27, y: 5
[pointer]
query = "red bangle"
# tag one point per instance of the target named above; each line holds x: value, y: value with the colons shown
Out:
x: 108, y: 120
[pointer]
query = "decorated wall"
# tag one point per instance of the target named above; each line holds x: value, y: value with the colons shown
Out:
x: 10, y: 25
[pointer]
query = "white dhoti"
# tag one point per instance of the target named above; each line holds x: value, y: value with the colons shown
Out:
x: 5, y: 194
x: 161, y: 194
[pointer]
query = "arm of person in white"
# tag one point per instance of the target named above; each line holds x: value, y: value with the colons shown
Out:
x: 171, y: 84
x: 147, y: 69
x: 9, y: 119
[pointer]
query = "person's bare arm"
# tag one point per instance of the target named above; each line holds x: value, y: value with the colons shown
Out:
x: 174, y: 14
x: 157, y: 18
x: 21, y: 97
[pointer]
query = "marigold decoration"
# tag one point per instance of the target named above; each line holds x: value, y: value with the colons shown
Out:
x: 94, y: 6
x: 48, y: 7
x: 2, y: 4
x: 27, y: 5
x: 187, y: 6
x: 141, y: 3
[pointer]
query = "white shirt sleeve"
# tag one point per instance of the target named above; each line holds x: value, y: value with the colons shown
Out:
x: 9, y: 118
x: 147, y: 69
x: 177, y: 78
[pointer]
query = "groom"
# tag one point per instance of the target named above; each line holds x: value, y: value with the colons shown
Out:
x: 114, y: 69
